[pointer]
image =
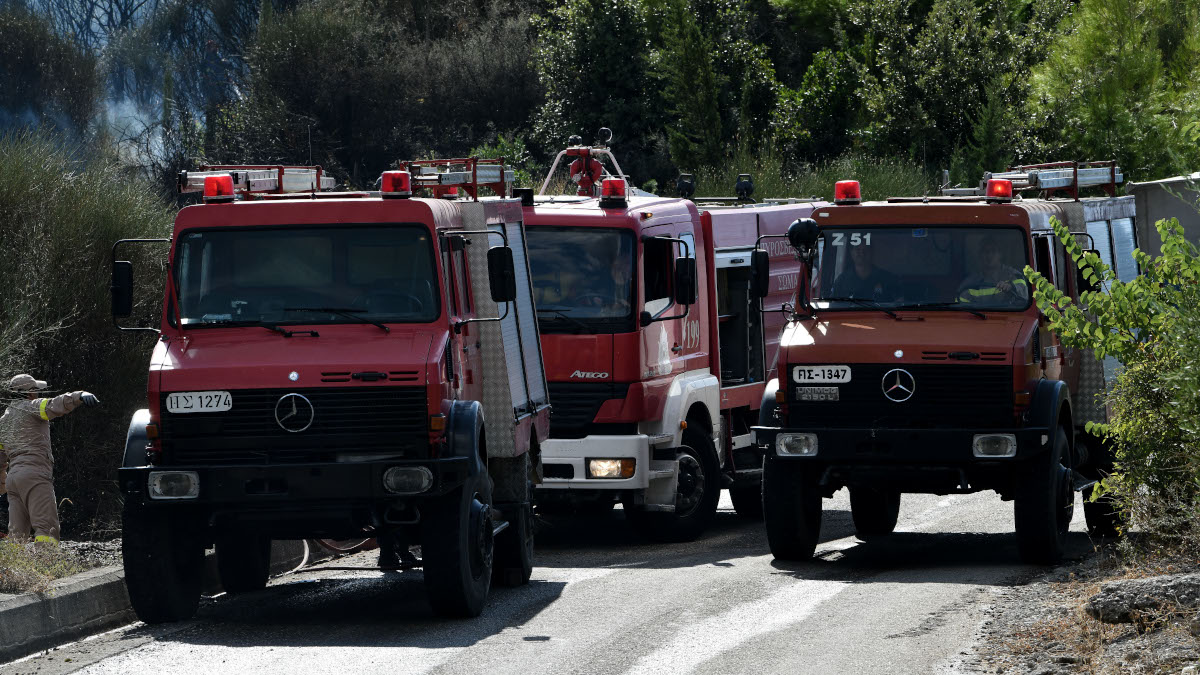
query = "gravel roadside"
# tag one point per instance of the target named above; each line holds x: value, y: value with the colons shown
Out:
x: 1041, y: 627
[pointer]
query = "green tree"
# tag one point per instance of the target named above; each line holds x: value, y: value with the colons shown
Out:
x: 812, y: 122
x: 1121, y: 83
x: 591, y: 58
x: 46, y: 78
x: 690, y: 88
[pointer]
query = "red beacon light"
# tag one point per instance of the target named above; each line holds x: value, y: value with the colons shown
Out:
x: 612, y: 192
x: 999, y: 190
x: 847, y: 192
x: 396, y: 184
x: 218, y: 189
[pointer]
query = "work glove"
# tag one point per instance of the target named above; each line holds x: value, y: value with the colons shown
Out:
x: 89, y: 400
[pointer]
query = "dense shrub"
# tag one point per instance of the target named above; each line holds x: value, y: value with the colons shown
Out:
x: 59, y: 217
x: 1151, y: 324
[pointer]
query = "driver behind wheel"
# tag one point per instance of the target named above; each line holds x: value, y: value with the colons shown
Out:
x: 995, y: 283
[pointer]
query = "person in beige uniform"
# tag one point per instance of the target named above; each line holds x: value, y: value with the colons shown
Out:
x: 26, y: 454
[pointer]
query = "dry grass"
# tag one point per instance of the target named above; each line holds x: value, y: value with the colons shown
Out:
x: 30, y: 568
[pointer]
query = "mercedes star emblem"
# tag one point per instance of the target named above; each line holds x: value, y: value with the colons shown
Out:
x: 899, y: 385
x: 294, y: 413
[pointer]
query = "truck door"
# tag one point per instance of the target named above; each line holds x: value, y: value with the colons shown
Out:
x: 463, y: 343
x: 1051, y: 267
x: 671, y: 344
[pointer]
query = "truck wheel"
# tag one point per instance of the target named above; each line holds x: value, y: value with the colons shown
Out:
x: 791, y: 510
x: 164, y: 562
x: 1103, y: 516
x: 514, y: 547
x: 243, y: 562
x: 1044, y: 505
x: 696, y: 495
x: 457, y: 548
x: 747, y: 501
x: 874, y: 512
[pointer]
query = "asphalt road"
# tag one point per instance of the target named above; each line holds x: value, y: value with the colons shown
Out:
x: 603, y: 601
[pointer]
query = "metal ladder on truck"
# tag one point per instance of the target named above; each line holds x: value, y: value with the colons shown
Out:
x: 251, y: 179
x: 1047, y: 179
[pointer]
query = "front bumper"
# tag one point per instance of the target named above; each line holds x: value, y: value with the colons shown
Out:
x: 564, y: 462
x: 293, y: 486
x: 928, y: 447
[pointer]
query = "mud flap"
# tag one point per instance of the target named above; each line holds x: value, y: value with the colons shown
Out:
x: 664, y: 482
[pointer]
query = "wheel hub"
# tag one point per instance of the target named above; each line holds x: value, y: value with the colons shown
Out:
x: 690, y: 490
x: 481, y: 538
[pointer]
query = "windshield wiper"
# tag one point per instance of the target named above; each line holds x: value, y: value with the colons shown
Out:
x: 563, y: 315
x: 871, y: 304
x: 349, y: 313
x: 934, y: 305
x: 250, y: 322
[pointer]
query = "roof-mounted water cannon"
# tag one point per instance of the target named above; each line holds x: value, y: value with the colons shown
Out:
x: 744, y: 187
x: 586, y: 169
x: 847, y: 192
x: 685, y: 185
x: 612, y: 193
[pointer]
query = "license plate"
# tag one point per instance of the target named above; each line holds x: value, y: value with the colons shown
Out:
x: 816, y: 393
x: 821, y: 374
x: 199, y: 401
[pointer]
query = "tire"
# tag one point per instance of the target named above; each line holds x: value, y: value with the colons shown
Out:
x: 243, y: 562
x: 1044, y: 505
x: 1103, y: 516
x: 457, y: 549
x: 164, y: 563
x: 874, y: 512
x: 791, y: 509
x: 513, y: 564
x: 747, y: 501
x: 697, y: 493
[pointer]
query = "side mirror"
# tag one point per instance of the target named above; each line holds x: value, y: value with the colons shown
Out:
x: 760, y: 273
x: 502, y: 275
x: 685, y: 281
x: 803, y: 233
x: 122, y: 289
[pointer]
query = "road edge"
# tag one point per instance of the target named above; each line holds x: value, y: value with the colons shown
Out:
x: 96, y: 600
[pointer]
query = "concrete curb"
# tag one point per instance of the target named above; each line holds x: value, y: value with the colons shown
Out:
x: 96, y: 600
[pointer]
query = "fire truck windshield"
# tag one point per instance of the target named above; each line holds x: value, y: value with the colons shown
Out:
x: 582, y: 278
x: 272, y: 276
x: 929, y: 267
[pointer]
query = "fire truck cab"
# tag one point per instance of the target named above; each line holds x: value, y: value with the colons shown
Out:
x: 916, y: 361
x: 337, y: 365
x: 657, y: 353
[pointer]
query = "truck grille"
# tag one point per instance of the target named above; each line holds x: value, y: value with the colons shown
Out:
x: 946, y: 396
x: 573, y: 406
x: 346, y: 420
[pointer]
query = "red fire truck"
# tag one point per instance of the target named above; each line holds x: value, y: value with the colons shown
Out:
x: 657, y: 352
x: 916, y: 360
x: 333, y: 365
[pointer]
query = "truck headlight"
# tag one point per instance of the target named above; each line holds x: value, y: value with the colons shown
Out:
x: 611, y: 468
x: 173, y: 484
x: 994, y: 445
x: 800, y: 445
x: 407, y: 480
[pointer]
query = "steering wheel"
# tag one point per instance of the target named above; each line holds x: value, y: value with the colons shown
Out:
x: 590, y: 300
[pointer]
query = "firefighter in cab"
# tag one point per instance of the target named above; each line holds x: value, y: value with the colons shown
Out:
x: 26, y: 456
